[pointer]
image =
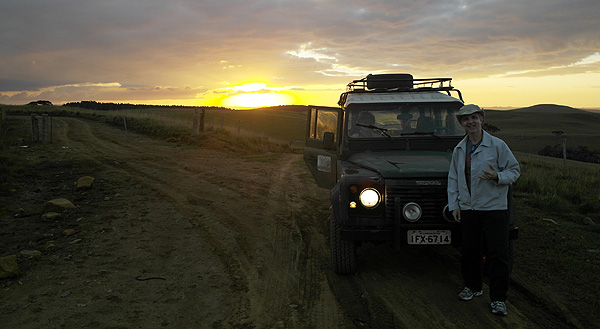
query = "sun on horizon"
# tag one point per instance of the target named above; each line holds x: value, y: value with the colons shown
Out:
x: 255, y: 94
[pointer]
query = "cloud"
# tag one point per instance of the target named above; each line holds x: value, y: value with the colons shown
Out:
x: 318, y: 55
x: 100, y: 91
x: 592, y: 59
x: 588, y: 64
x: 147, y: 43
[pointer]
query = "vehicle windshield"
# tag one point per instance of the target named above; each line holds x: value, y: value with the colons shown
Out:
x: 389, y: 120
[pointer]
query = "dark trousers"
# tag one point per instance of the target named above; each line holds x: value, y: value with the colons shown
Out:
x: 494, y: 224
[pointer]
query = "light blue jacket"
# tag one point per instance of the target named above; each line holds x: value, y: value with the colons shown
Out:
x: 485, y: 194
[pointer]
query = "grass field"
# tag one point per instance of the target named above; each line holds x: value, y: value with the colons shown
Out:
x: 280, y: 124
x: 285, y: 126
x: 557, y: 254
x: 526, y: 130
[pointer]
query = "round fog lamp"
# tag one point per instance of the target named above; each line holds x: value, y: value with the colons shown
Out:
x: 369, y: 197
x: 411, y: 212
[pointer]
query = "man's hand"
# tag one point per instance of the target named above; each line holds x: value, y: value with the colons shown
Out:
x: 456, y: 214
x: 490, y: 175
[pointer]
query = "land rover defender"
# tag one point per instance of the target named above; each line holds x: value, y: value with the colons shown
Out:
x: 385, y: 154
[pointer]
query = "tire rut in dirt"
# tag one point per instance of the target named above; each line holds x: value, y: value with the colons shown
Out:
x: 207, y: 217
x: 147, y: 172
x: 281, y: 270
x: 292, y: 281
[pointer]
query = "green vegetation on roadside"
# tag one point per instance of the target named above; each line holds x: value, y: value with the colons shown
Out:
x: 571, y: 193
x: 274, y: 131
x: 12, y: 164
x: 558, y: 249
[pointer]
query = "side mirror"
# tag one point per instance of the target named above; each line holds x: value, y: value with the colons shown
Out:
x: 328, y: 140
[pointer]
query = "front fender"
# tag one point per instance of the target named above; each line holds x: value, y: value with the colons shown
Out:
x: 341, y: 213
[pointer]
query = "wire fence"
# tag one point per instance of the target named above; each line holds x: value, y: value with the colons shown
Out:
x: 40, y: 127
x: 276, y: 126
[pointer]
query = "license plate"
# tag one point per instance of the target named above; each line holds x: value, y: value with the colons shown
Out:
x: 429, y: 237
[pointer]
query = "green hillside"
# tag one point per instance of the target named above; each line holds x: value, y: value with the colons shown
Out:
x: 529, y: 129
x: 526, y: 130
x: 548, y: 108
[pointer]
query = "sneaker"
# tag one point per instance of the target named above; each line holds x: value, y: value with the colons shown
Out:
x: 499, y: 308
x: 468, y: 294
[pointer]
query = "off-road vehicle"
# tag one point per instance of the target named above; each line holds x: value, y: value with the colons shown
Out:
x: 385, y: 155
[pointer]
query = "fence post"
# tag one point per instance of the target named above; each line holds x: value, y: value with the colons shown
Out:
x: 125, y: 126
x: 35, y: 130
x: 202, y: 115
x: 565, y: 152
x: 559, y: 133
x: 44, y: 130
x: 196, y: 121
x: 1, y: 127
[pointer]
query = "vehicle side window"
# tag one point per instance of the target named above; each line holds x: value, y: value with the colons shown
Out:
x: 322, y: 121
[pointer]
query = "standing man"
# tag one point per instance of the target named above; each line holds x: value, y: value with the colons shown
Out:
x: 481, y: 171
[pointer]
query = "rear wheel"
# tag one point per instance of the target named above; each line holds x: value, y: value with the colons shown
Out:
x: 343, y: 252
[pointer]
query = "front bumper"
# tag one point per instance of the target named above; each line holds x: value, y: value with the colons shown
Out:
x: 398, y: 235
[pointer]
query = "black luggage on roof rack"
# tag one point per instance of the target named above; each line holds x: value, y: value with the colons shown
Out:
x: 390, y: 81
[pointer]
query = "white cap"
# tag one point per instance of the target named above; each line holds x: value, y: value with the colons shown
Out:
x: 468, y: 110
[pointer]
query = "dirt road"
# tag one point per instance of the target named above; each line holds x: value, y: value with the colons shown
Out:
x: 177, y: 237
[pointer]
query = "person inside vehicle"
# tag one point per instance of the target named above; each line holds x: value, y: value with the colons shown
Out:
x: 481, y: 170
x: 424, y: 123
x: 365, y: 118
x: 406, y: 119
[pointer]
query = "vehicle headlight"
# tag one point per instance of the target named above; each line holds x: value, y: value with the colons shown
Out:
x: 369, y: 198
x: 411, y: 212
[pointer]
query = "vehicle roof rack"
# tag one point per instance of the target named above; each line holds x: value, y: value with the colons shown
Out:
x: 398, y: 82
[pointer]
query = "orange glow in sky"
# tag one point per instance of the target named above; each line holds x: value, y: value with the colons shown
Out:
x: 256, y: 99
x: 211, y: 53
x: 252, y: 95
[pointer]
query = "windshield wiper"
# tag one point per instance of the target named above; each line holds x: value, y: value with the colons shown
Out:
x: 382, y: 130
x: 421, y: 133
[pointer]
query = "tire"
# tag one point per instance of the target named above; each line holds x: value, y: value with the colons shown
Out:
x: 343, y: 252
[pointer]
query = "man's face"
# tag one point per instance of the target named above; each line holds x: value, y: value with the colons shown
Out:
x: 472, y: 122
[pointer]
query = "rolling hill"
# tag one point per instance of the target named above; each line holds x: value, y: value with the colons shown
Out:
x: 530, y: 129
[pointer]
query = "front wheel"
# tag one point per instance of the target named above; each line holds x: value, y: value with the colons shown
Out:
x: 343, y: 252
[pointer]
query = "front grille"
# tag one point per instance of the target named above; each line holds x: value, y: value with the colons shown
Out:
x: 429, y: 193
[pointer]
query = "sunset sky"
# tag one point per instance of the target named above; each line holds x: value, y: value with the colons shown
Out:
x: 235, y: 53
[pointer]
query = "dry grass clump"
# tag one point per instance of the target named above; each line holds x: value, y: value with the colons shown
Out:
x: 225, y: 140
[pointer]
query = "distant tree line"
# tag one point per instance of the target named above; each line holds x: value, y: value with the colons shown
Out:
x: 93, y: 105
x: 580, y: 153
x: 41, y: 103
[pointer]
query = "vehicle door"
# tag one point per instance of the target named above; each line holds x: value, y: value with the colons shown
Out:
x: 322, y: 145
